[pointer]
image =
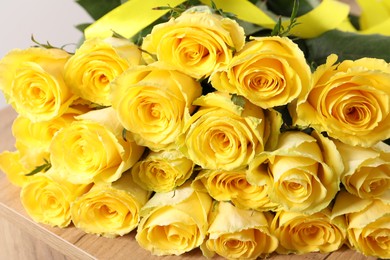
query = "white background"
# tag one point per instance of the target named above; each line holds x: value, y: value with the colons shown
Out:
x: 47, y: 20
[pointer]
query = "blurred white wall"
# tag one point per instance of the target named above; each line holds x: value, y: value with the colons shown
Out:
x: 47, y: 20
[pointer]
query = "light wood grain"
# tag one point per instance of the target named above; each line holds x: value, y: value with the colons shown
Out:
x: 22, y: 238
x: 23, y: 245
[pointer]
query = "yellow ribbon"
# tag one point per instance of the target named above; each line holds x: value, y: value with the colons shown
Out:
x: 129, y: 18
x: 328, y: 15
x: 134, y: 15
x: 245, y: 11
x: 311, y: 24
x: 375, y: 16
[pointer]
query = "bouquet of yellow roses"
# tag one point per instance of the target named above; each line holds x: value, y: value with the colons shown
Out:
x: 243, y: 128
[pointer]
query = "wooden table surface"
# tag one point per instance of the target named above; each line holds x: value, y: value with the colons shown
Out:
x: 21, y: 238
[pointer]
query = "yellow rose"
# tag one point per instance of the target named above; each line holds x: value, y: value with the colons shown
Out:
x: 12, y: 167
x: 304, y: 170
x: 368, y: 224
x: 349, y: 100
x: 47, y: 199
x: 223, y: 135
x: 33, y: 139
x: 33, y: 84
x: 96, y: 63
x: 268, y: 71
x: 110, y: 209
x: 195, y: 43
x: 162, y: 171
x: 154, y: 103
x: 238, y: 234
x: 367, y: 170
x: 233, y: 186
x: 173, y: 223
x: 300, y: 233
x: 93, y: 149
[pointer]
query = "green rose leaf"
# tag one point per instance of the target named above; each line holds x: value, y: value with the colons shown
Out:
x: 348, y: 46
x: 97, y: 9
x: 81, y: 27
x: 285, y: 7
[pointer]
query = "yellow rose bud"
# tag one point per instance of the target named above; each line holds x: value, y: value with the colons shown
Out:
x: 349, y: 100
x: 36, y: 73
x: 12, y: 167
x: 268, y: 71
x: 368, y: 224
x: 96, y: 63
x: 233, y: 186
x: 367, y: 170
x: 153, y: 103
x: 238, y: 234
x: 47, y: 199
x: 93, y: 149
x: 195, y: 43
x: 223, y: 135
x: 304, y: 170
x: 162, y: 171
x: 110, y: 209
x: 300, y: 233
x: 174, y: 222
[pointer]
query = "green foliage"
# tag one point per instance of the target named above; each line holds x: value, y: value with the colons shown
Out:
x: 279, y: 28
x: 48, y: 45
x: 286, y: 7
x: 173, y: 11
x: 178, y: 10
x: 81, y: 27
x: 41, y: 168
x: 238, y: 100
x: 124, y: 133
x: 346, y: 45
x: 221, y: 12
x: 97, y: 9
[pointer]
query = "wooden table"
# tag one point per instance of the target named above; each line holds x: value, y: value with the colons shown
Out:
x: 21, y: 238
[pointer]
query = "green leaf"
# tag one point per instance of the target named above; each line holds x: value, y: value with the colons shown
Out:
x: 41, y: 168
x: 285, y: 7
x: 97, y: 9
x: 138, y: 38
x: 238, y: 100
x: 279, y: 28
x: 48, y: 45
x: 347, y: 45
x: 355, y: 21
x: 124, y: 133
x: 221, y: 12
x: 81, y: 27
